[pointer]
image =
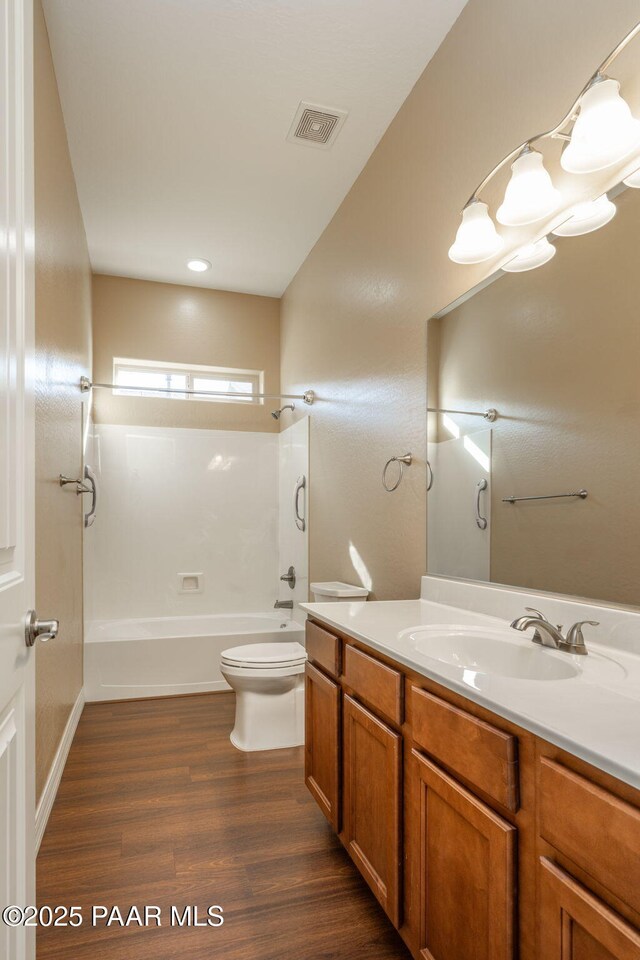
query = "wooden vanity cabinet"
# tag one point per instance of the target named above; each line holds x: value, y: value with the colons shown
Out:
x: 480, y: 840
x: 323, y: 743
x: 372, y: 802
x: 466, y: 872
x: 576, y: 925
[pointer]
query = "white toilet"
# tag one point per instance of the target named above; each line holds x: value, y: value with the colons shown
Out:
x: 268, y: 679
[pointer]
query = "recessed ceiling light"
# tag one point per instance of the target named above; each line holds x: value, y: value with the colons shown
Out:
x: 199, y: 266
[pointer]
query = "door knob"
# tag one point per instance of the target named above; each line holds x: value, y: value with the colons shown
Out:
x: 39, y: 629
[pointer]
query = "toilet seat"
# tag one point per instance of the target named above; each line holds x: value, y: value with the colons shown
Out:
x: 264, y: 656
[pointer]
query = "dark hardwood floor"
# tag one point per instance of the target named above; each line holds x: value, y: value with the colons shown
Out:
x: 157, y: 808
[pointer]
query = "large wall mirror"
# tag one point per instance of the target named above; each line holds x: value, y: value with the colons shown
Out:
x: 547, y: 495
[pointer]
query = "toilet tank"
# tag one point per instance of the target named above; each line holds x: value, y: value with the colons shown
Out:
x: 335, y: 592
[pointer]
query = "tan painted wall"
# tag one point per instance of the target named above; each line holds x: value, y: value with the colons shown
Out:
x: 144, y: 320
x: 556, y: 352
x: 353, y: 319
x: 63, y: 352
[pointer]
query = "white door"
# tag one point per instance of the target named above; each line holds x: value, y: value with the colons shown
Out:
x: 17, y: 762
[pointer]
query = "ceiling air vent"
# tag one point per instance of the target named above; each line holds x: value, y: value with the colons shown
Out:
x: 316, y: 126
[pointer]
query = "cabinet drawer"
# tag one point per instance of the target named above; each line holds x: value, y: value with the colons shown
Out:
x: 323, y: 648
x: 594, y: 828
x: 375, y: 683
x: 479, y: 753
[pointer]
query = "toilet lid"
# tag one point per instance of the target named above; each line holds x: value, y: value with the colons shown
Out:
x: 265, y: 655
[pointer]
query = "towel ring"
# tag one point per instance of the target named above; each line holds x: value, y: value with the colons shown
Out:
x: 401, y: 461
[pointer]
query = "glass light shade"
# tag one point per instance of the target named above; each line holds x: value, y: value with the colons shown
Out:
x: 605, y: 131
x: 530, y: 194
x: 530, y: 256
x: 477, y: 239
x: 633, y: 180
x: 587, y: 217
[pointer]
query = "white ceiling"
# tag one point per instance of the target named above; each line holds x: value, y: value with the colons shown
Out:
x: 177, y: 114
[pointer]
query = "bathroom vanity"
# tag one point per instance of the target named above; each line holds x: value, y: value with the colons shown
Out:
x: 482, y: 809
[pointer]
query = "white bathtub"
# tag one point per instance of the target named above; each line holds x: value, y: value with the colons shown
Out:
x: 159, y: 657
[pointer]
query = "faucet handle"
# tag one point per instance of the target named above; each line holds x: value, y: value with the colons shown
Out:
x: 575, y: 640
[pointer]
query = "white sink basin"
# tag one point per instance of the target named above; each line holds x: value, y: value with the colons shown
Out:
x: 490, y: 652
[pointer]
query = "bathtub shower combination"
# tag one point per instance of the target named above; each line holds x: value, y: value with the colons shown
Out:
x: 172, y: 655
x: 194, y: 530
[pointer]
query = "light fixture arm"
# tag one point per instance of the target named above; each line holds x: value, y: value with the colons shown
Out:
x: 556, y: 133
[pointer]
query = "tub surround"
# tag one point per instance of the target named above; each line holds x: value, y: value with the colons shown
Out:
x: 594, y: 715
x: 176, y: 501
x: 293, y: 542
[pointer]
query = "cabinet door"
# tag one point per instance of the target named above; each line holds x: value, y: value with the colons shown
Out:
x: 576, y: 925
x: 372, y: 782
x: 467, y: 871
x: 322, y: 743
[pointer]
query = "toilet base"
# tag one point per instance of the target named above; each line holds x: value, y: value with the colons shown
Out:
x: 250, y: 747
x: 269, y: 716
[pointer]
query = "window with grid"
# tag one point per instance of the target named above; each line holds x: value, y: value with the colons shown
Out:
x: 177, y: 381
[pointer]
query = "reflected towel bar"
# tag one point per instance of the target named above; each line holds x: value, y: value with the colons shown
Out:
x: 491, y: 414
x: 583, y: 494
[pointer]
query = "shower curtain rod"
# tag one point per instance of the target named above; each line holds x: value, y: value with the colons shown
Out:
x: 307, y: 397
x: 491, y: 414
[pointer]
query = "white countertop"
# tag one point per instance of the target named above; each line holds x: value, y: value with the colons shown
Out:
x: 594, y: 715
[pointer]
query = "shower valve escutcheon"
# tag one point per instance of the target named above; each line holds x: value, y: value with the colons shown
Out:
x: 289, y: 577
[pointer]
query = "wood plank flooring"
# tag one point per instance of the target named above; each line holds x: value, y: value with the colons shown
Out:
x: 156, y: 807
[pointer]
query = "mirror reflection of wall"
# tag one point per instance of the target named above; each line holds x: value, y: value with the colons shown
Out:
x: 557, y: 352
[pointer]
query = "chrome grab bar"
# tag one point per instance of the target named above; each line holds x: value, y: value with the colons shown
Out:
x: 90, y: 517
x: 429, y: 476
x: 480, y: 520
x: 301, y: 484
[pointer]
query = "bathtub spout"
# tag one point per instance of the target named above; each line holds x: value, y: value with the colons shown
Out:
x: 283, y: 605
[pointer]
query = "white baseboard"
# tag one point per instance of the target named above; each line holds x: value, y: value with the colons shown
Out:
x: 57, y: 767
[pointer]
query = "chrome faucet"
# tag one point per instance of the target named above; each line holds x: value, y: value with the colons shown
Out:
x: 550, y: 636
x: 283, y: 605
x: 545, y: 632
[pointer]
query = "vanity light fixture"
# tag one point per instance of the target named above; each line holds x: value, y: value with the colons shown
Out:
x: 530, y: 195
x: 587, y: 217
x: 633, y: 180
x: 604, y: 131
x: 477, y: 238
x: 599, y: 131
x: 198, y: 265
x: 530, y: 256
